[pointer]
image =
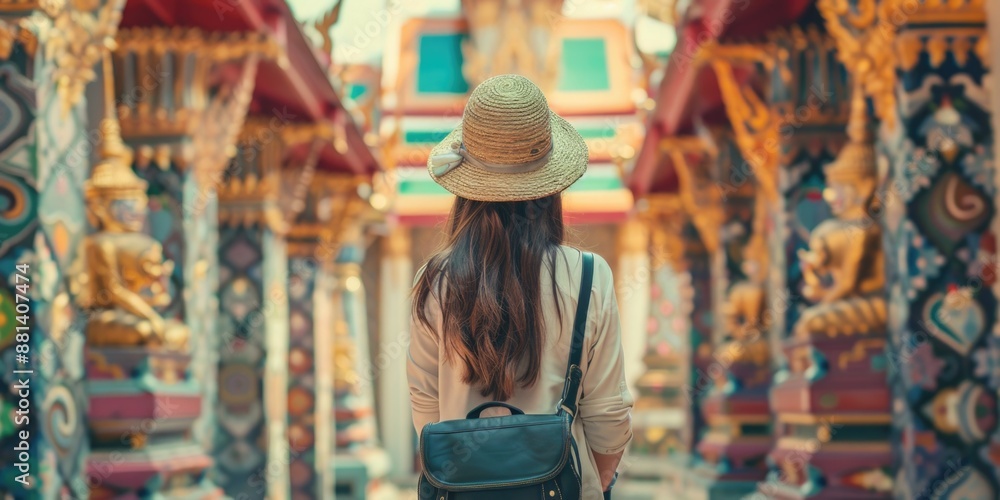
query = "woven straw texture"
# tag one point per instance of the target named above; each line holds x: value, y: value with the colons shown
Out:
x: 507, y: 121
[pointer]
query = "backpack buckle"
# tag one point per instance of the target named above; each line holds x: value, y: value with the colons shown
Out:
x: 561, y: 407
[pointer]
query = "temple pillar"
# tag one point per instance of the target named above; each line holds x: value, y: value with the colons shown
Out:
x: 313, y: 243
x: 734, y: 386
x: 686, y: 232
x: 44, y: 158
x: 251, y: 443
x: 633, y: 281
x: 661, y: 410
x: 395, y: 422
x: 734, y: 404
x: 699, y: 362
x: 694, y: 161
x: 310, y: 390
x: 361, y: 463
x: 940, y: 225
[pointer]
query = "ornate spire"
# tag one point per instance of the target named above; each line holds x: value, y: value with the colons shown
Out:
x: 112, y: 176
x: 856, y: 159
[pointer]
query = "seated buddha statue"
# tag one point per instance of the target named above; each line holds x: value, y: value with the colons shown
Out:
x: 744, y: 310
x: 843, y: 268
x: 121, y: 272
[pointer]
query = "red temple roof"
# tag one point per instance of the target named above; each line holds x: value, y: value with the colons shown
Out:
x: 300, y: 84
x: 687, y: 89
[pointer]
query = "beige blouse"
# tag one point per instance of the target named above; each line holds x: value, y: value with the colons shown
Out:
x: 603, y: 421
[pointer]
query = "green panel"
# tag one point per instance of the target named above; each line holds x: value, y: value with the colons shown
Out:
x: 356, y: 91
x: 587, y: 183
x: 425, y: 136
x: 584, y: 65
x: 439, y: 69
x: 596, y: 183
x: 418, y: 187
x: 596, y: 132
x: 436, y: 136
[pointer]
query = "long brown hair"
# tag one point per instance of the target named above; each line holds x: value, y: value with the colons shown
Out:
x: 487, y: 280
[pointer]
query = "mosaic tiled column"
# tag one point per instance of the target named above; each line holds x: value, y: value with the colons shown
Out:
x: 332, y: 431
x: 43, y: 162
x: 940, y: 229
x: 314, y: 241
x: 396, y: 281
x: 310, y: 391
x: 697, y: 377
x: 251, y: 444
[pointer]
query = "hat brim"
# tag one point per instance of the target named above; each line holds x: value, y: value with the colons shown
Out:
x: 567, y: 163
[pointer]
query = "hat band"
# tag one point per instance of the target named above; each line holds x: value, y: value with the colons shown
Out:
x: 443, y: 163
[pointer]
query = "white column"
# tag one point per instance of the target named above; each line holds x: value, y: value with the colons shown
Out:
x: 276, y: 364
x: 395, y: 421
x: 632, y: 288
x: 323, y: 320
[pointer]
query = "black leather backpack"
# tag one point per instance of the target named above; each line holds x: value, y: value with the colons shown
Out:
x: 510, y: 457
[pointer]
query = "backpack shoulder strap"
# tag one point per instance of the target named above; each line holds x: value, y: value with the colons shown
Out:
x: 567, y: 404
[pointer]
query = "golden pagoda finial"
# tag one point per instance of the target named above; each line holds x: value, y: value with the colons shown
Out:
x: 112, y: 176
x: 856, y: 159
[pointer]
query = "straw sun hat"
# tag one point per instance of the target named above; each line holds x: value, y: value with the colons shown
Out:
x: 509, y: 147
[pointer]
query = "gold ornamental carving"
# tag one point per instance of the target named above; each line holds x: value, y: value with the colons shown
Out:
x: 295, y: 184
x: 843, y: 267
x: 324, y: 23
x: 511, y: 36
x: 744, y: 312
x: 155, y: 102
x: 666, y: 218
x: 251, y: 200
x: 18, y: 6
x: 755, y: 124
x: 275, y: 193
x: 700, y: 194
x: 331, y: 208
x: 215, y: 137
x: 865, y: 31
x: 937, y: 12
x: 16, y: 33
x: 79, y: 32
x: 961, y: 44
x: 121, y: 275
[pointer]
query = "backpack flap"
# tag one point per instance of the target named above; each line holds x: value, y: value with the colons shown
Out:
x: 498, y: 452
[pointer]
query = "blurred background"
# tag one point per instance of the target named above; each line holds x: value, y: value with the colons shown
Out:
x: 211, y: 213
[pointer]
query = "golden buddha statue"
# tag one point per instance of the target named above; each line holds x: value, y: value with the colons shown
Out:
x: 121, y: 272
x: 744, y: 310
x: 843, y: 269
